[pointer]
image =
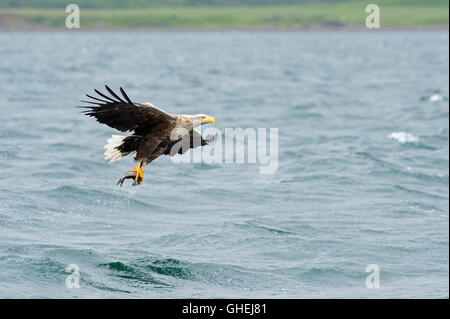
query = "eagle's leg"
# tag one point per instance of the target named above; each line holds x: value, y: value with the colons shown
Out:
x: 141, y: 175
x: 139, y: 170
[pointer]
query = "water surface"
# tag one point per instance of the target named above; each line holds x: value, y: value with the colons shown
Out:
x: 363, y: 172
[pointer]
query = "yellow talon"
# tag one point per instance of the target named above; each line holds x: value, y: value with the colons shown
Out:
x: 139, y: 169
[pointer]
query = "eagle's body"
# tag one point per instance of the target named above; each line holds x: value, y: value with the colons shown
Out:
x: 155, y: 132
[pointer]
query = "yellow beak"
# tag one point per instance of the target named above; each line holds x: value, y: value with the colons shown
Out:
x: 209, y: 119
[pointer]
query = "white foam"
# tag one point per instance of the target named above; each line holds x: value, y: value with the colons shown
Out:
x: 403, y: 137
x: 436, y: 98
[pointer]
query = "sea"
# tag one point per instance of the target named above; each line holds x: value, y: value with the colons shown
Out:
x: 357, y: 205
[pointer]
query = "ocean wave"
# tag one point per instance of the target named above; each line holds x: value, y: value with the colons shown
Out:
x: 132, y: 273
x: 260, y: 226
x: 142, y: 268
x: 403, y: 137
x: 434, y: 98
x: 420, y: 192
x: 399, y: 169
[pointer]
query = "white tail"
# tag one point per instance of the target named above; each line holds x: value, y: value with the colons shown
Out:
x: 111, y: 148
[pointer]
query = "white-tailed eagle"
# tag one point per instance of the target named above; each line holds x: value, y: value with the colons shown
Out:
x: 155, y: 132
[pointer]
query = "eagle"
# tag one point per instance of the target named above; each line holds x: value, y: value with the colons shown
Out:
x: 154, y: 131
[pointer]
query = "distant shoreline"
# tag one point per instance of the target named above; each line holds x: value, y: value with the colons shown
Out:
x: 38, y: 29
x: 310, y: 16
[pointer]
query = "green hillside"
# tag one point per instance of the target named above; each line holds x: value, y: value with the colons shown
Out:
x: 110, y: 4
x: 394, y: 13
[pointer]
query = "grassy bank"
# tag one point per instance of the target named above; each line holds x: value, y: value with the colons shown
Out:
x: 394, y: 13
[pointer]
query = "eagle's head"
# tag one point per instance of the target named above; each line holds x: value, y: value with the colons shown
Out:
x: 201, y: 119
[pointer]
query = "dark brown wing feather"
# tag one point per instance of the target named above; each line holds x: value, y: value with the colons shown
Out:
x: 124, y: 115
x: 129, y: 144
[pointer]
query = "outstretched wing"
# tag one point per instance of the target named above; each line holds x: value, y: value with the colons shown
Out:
x: 185, y: 143
x: 125, y: 115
